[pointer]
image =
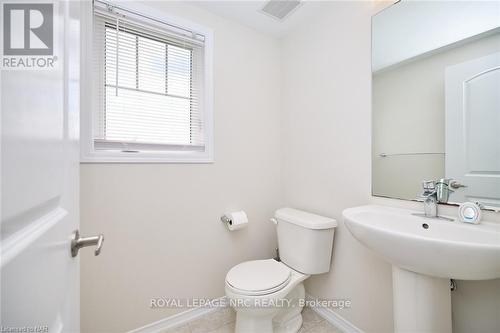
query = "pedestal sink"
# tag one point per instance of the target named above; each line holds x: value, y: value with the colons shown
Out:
x: 425, y: 253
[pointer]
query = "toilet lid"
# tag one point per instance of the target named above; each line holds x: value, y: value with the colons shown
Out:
x: 259, y: 277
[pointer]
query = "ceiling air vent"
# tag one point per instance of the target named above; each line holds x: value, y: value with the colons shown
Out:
x: 279, y: 9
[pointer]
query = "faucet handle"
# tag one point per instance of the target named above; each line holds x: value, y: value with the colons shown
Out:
x: 429, y: 185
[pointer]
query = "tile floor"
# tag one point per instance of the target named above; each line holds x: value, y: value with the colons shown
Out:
x: 222, y: 321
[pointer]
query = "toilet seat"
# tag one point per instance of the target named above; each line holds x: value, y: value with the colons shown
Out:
x: 258, y: 277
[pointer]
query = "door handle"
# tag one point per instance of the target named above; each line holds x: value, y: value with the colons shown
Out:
x: 78, y: 242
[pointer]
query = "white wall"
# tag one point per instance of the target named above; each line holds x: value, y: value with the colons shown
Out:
x: 326, y: 159
x: 163, y: 236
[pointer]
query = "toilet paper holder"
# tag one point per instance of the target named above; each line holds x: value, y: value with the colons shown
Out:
x: 235, y: 220
x: 226, y: 219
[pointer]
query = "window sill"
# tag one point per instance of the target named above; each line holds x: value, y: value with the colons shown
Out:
x: 146, y: 157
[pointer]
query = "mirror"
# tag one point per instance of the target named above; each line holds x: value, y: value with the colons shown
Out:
x: 436, y: 99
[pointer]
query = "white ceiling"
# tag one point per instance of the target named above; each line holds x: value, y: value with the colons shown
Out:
x: 248, y: 13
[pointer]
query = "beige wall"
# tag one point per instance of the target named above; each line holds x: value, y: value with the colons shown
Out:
x: 408, y: 116
x: 326, y: 161
x: 161, y: 222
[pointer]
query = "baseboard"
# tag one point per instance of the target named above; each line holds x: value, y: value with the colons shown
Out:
x: 334, y: 318
x: 179, y: 319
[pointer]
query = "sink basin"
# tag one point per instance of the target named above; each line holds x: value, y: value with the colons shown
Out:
x: 432, y: 247
x: 425, y: 253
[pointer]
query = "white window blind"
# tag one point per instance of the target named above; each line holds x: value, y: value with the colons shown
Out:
x: 149, y: 80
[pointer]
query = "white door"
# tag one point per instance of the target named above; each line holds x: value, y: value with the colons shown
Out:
x: 39, y: 141
x: 473, y: 129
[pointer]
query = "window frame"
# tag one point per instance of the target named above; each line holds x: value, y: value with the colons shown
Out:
x: 89, y: 93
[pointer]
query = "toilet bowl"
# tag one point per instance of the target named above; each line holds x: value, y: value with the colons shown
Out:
x: 268, y: 295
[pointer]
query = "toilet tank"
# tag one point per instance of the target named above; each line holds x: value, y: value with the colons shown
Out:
x: 305, y: 240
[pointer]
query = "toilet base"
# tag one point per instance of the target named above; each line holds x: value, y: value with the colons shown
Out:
x: 290, y: 320
x: 284, y: 320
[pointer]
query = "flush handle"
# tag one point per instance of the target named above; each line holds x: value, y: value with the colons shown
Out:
x: 78, y: 242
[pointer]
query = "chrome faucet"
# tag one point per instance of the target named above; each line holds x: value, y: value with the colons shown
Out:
x: 435, y: 192
x: 430, y: 198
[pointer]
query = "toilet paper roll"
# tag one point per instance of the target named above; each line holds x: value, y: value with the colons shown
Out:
x: 236, y: 220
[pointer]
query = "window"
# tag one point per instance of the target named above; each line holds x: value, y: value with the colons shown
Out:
x: 151, y: 90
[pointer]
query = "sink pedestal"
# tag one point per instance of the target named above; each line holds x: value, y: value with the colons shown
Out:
x: 421, y: 303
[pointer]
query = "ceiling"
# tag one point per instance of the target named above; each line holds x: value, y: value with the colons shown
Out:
x: 248, y: 13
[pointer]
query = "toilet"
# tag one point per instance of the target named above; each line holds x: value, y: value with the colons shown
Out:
x: 268, y: 295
